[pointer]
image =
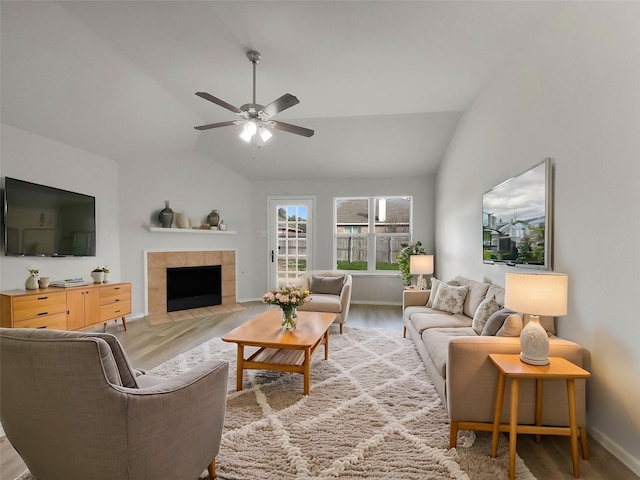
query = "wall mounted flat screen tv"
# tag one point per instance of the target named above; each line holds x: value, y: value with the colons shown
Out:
x: 516, y: 220
x: 48, y: 222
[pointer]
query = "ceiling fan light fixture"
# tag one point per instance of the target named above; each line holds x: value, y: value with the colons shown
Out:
x: 248, y: 131
x: 265, y: 134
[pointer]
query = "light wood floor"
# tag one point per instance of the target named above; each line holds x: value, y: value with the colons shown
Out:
x: 149, y: 345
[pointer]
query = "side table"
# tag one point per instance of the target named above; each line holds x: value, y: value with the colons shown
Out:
x: 510, y: 366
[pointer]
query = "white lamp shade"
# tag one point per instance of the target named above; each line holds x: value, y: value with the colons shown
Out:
x: 537, y: 293
x: 420, y: 264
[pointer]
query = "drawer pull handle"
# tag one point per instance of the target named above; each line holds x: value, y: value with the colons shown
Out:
x: 43, y: 326
x: 42, y: 298
x: 117, y: 299
x: 116, y: 288
x: 117, y: 311
x: 43, y: 313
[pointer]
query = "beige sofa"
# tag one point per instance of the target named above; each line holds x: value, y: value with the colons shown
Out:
x: 332, y: 293
x: 456, y: 359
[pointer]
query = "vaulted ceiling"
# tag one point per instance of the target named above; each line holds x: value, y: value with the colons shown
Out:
x: 382, y: 83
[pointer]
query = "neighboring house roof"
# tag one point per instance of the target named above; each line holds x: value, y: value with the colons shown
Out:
x: 353, y: 211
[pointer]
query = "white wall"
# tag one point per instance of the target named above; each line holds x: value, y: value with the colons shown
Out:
x: 37, y: 159
x: 194, y: 185
x: 371, y: 289
x: 573, y: 94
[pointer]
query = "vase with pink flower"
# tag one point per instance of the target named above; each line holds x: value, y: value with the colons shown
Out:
x: 288, y: 298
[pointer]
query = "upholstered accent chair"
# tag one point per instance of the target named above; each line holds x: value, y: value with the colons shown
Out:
x: 73, y: 407
x: 330, y: 292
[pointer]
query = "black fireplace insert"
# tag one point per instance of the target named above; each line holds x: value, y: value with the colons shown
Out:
x: 193, y: 287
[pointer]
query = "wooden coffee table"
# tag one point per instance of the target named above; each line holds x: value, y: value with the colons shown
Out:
x: 282, y: 350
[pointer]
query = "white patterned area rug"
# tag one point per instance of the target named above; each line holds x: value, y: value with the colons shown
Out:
x: 373, y: 413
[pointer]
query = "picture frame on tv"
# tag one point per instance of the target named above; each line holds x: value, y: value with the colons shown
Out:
x: 517, y: 220
x: 43, y: 221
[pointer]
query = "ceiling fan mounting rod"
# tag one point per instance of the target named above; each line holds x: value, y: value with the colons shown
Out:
x: 254, y: 58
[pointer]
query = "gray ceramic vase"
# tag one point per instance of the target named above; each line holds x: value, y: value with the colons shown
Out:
x: 166, y: 215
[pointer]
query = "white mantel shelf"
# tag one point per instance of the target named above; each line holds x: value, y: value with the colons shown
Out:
x: 190, y: 230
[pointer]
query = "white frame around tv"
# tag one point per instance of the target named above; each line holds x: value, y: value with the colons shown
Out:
x: 517, y: 201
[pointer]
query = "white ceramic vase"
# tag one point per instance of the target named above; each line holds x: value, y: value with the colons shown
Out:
x: 98, y: 277
x: 182, y: 220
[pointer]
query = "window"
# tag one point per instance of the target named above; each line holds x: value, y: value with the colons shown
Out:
x: 370, y: 231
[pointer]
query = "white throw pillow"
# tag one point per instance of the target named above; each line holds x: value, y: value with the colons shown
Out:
x: 435, y: 284
x: 486, y: 308
x: 450, y: 298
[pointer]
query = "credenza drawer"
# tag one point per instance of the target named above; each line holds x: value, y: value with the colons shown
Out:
x: 115, y: 290
x: 121, y: 298
x: 114, y: 310
x: 56, y: 321
x: 33, y: 306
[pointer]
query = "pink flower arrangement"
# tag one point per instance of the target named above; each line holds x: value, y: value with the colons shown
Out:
x: 287, y: 296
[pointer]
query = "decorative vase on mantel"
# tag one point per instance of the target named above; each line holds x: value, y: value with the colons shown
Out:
x: 166, y: 215
x: 213, y: 218
x: 289, y: 317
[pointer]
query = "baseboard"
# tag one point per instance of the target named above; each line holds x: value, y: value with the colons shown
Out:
x: 369, y: 302
x: 616, y: 450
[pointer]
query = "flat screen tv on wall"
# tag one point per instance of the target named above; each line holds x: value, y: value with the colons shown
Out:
x: 517, y: 220
x: 44, y: 221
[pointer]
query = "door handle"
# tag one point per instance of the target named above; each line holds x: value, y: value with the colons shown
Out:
x: 272, y: 256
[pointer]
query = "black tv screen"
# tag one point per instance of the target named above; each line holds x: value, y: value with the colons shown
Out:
x: 44, y: 221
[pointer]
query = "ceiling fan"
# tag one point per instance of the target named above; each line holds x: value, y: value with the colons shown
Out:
x: 256, y: 118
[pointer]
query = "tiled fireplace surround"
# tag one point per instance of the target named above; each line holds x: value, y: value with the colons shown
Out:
x: 157, y: 263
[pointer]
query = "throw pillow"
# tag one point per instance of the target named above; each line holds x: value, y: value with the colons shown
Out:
x: 512, y: 326
x: 484, y: 311
x: 326, y: 285
x: 495, y: 321
x: 450, y: 298
x: 435, y: 284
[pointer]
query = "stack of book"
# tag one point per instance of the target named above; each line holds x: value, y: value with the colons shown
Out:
x: 69, y: 282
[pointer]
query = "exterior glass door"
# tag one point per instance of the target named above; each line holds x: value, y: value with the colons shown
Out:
x: 290, y: 240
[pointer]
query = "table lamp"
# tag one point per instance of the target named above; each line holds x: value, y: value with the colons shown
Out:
x: 421, y: 265
x: 536, y: 294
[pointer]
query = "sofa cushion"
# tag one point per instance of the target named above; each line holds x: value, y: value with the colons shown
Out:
x: 437, y: 319
x: 477, y: 293
x: 486, y: 308
x: 450, y: 298
x: 320, y: 302
x: 326, y: 285
x: 437, y: 342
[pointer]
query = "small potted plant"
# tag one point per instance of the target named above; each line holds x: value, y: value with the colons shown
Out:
x: 106, y: 272
x: 98, y: 275
x: 32, y: 280
x: 404, y: 256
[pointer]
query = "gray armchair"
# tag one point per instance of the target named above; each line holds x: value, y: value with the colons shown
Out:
x: 328, y: 296
x: 73, y: 407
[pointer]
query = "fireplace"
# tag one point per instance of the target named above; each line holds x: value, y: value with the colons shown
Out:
x: 193, y: 287
x: 159, y: 262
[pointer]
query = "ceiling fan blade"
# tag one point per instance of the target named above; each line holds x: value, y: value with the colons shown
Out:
x: 285, y: 101
x: 215, y: 125
x: 217, y: 101
x: 287, y: 127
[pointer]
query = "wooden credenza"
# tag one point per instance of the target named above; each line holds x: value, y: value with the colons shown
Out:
x: 65, y: 308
